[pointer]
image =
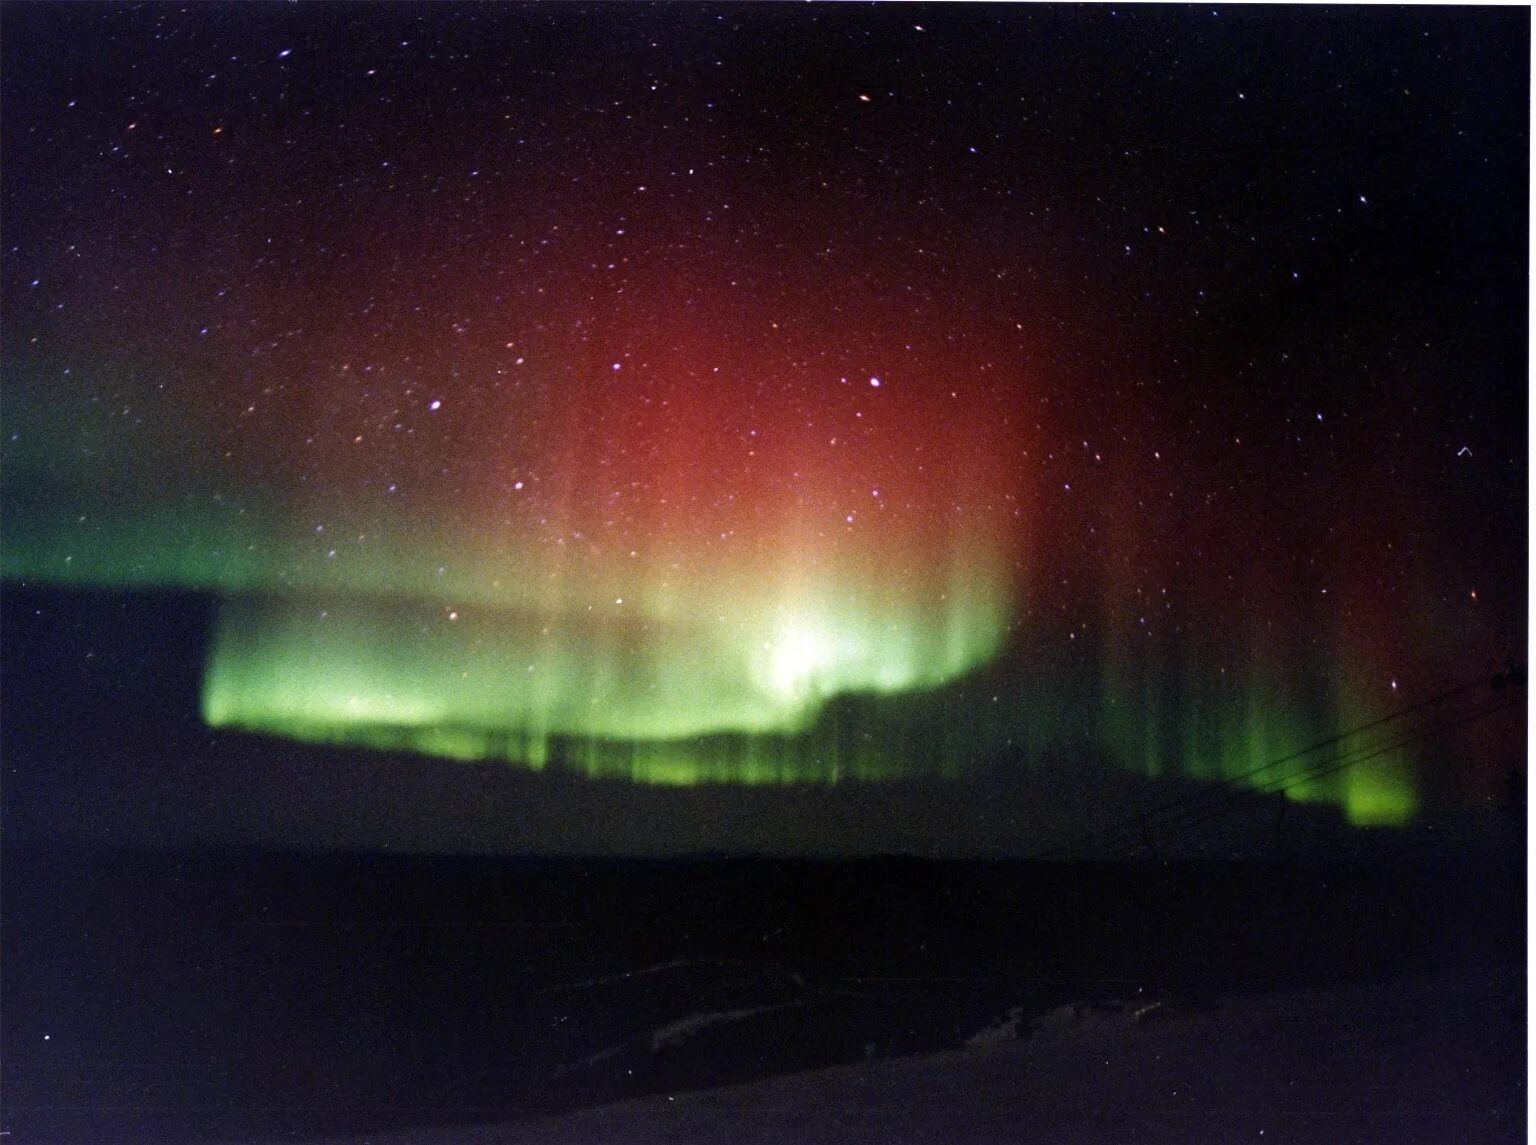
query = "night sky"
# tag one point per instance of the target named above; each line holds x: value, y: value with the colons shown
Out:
x: 767, y: 394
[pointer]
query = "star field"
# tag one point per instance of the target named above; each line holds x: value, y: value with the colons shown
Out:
x: 621, y: 387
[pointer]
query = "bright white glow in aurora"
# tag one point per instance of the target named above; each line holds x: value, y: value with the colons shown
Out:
x: 782, y: 395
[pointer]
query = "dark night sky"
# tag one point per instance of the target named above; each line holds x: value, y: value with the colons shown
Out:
x: 625, y: 388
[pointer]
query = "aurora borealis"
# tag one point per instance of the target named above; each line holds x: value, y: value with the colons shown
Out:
x: 763, y: 394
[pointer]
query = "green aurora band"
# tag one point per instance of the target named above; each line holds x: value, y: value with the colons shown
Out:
x: 525, y: 687
x: 774, y: 698
x: 820, y: 666
x: 884, y: 612
x: 681, y: 397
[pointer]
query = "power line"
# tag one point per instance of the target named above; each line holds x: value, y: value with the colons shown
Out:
x: 1356, y: 755
x: 1228, y: 791
x: 1329, y: 767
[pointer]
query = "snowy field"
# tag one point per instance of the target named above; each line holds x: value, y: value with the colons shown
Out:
x: 194, y: 998
x: 1434, y: 1058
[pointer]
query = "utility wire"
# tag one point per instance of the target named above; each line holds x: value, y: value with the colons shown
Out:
x: 1324, y: 767
x: 1228, y: 790
x: 1136, y: 835
x: 1341, y: 763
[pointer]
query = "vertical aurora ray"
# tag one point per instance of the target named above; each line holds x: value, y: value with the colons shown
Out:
x: 1245, y: 673
x: 681, y: 582
x: 680, y: 424
x: 686, y: 576
x: 766, y: 700
x: 1265, y: 729
x: 652, y: 700
x: 651, y: 633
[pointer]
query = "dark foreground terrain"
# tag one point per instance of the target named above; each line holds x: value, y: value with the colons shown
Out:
x: 206, y: 995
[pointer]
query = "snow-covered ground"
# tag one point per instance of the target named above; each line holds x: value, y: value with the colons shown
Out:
x: 1432, y: 1058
